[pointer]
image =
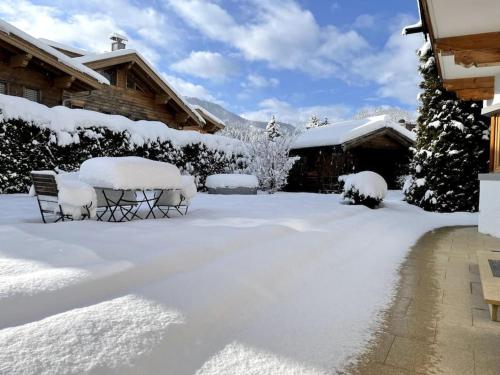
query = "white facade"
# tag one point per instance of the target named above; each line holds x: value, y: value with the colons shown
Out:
x: 489, y: 205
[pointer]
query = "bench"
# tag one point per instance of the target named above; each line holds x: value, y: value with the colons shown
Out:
x: 489, y: 282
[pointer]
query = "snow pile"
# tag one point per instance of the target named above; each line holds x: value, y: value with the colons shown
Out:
x: 102, y: 336
x: 74, y: 194
x: 130, y: 172
x: 66, y: 60
x: 342, y: 132
x: 262, y: 284
x: 368, y: 188
x: 231, y: 181
x: 188, y: 190
x: 65, y: 122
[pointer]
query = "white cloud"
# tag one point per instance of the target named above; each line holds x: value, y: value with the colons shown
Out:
x: 89, y: 25
x: 281, y: 33
x: 257, y: 81
x: 206, y: 64
x: 394, y: 68
x: 365, y: 21
x: 285, y: 112
x: 190, y: 89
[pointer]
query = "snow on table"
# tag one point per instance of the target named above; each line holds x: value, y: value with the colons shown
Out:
x: 280, y: 284
x: 130, y: 173
x: 231, y: 181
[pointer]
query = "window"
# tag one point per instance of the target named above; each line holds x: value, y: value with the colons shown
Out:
x: 3, y: 87
x: 32, y: 94
x: 133, y: 83
x: 110, y: 75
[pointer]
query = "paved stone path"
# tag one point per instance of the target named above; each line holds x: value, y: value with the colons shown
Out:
x: 438, y: 323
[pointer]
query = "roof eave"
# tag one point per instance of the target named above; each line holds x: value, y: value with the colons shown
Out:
x: 26, y: 46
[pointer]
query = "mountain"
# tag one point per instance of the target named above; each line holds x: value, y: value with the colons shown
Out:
x: 230, y: 118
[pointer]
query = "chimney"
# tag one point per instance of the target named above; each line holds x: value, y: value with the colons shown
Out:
x: 118, y: 41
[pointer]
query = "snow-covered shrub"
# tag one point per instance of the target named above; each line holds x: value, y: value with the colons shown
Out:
x: 268, y: 154
x: 366, y: 188
x: 26, y: 147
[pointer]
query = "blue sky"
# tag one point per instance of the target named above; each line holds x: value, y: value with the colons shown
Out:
x: 291, y: 58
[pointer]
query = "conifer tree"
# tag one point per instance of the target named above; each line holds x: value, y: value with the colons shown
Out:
x: 324, y: 122
x: 273, y: 128
x: 451, y: 147
x: 313, y: 122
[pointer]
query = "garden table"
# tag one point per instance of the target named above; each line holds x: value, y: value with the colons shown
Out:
x: 125, y: 184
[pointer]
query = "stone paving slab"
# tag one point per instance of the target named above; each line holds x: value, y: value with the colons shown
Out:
x: 438, y: 323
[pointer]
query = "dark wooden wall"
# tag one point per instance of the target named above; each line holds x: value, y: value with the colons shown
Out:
x: 31, y: 77
x: 319, y: 167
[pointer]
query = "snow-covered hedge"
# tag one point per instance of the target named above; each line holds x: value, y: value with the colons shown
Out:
x: 366, y: 188
x: 35, y: 137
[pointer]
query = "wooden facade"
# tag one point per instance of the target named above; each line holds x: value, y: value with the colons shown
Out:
x: 137, y: 92
x: 30, y: 68
x: 495, y: 144
x: 384, y: 152
x: 30, y: 72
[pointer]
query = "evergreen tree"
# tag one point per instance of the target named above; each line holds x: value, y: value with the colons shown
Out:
x: 451, y: 147
x: 324, y: 122
x: 273, y: 128
x: 313, y: 122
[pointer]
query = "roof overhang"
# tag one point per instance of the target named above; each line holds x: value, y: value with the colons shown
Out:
x: 389, y: 132
x: 465, y: 36
x: 120, y: 57
x: 84, y: 81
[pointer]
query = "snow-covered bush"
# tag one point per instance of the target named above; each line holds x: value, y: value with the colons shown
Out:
x: 34, y: 137
x: 268, y: 154
x: 366, y: 188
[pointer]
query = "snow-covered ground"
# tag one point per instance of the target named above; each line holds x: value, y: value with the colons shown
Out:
x: 266, y: 284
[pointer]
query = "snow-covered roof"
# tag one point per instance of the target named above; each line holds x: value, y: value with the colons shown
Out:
x: 64, y: 47
x: 208, y: 114
x: 66, y: 60
x: 124, y: 52
x: 345, y: 131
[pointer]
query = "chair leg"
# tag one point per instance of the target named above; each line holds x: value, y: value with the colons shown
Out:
x: 41, y: 210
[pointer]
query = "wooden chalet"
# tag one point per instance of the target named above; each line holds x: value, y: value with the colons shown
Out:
x: 327, y: 152
x: 136, y: 91
x: 465, y: 38
x: 120, y: 82
x: 30, y: 68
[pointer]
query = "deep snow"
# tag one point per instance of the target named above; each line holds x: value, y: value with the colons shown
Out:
x: 266, y: 284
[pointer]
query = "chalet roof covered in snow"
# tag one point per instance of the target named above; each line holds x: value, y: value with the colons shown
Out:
x: 11, y: 30
x: 208, y: 115
x: 64, y: 47
x: 117, y: 56
x: 347, y: 131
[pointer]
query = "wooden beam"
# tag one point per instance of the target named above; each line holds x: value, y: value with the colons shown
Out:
x: 181, y: 117
x: 470, y: 42
x: 469, y: 83
x: 20, y: 61
x: 64, y: 82
x: 476, y: 94
x: 478, y: 58
x: 162, y: 98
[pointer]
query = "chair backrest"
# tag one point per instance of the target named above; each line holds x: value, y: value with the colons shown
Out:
x: 44, y: 183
